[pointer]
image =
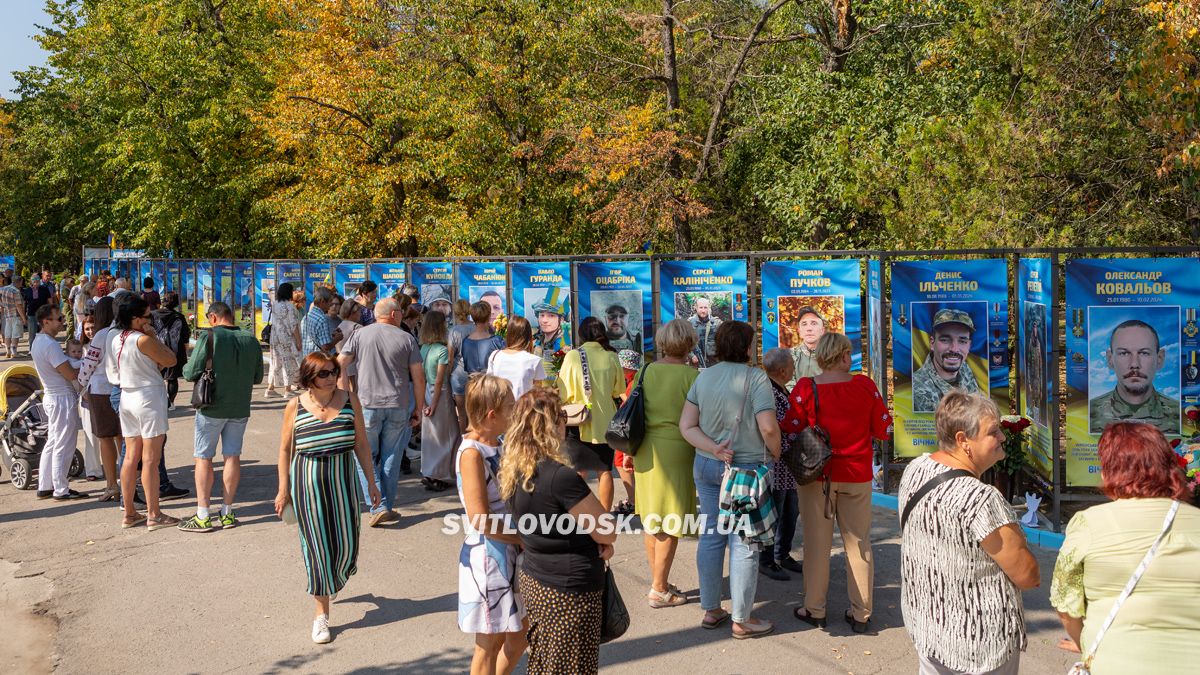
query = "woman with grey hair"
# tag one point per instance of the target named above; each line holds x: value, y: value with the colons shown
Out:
x: 775, y: 561
x: 964, y: 559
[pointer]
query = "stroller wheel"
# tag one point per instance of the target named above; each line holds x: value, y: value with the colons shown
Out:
x: 21, y: 473
x: 76, y: 469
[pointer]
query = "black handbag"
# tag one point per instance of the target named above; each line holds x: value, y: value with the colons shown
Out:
x: 808, y: 454
x: 266, y: 331
x: 628, y: 427
x: 615, y: 619
x: 205, y: 390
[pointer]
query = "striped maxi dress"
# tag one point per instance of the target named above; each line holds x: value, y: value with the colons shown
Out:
x: 325, y: 495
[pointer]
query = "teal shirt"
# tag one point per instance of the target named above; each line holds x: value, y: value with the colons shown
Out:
x: 237, y: 366
x: 433, y: 356
x: 721, y: 394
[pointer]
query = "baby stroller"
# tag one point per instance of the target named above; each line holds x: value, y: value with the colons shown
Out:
x: 23, y: 427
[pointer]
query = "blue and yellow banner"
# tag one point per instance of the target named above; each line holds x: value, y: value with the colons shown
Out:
x: 949, y: 331
x: 243, y: 295
x: 264, y: 293
x: 804, y: 299
x: 875, y: 339
x: 434, y: 281
x: 1035, y: 360
x: 289, y: 272
x: 347, y: 277
x: 486, y: 281
x: 205, y: 291
x: 620, y: 295
x: 388, y: 276
x: 1132, y: 344
x: 316, y: 274
x: 541, y: 292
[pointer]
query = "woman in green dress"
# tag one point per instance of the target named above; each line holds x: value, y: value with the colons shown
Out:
x: 665, y: 493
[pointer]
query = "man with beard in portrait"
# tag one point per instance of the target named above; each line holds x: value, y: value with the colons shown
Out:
x: 946, y: 367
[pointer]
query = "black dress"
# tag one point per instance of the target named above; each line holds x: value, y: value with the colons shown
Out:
x: 172, y: 328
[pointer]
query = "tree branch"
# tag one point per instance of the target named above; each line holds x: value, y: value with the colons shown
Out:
x: 329, y: 106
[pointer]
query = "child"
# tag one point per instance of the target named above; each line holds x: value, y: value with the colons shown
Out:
x: 631, y: 363
x: 74, y: 352
x: 488, y: 603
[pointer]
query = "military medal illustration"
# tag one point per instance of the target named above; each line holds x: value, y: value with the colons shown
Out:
x: 902, y: 320
x: 1077, y: 323
x: 1190, y: 329
x: 1192, y: 372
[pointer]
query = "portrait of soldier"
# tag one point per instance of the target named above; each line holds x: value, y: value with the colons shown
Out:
x: 1135, y: 355
x: 550, y: 334
x: 619, y: 336
x: 1035, y: 364
x: 946, y: 366
x: 705, y: 325
x: 810, y: 326
x: 493, y: 298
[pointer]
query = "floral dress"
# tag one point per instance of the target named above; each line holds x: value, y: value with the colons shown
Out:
x: 488, y: 600
x: 285, y: 357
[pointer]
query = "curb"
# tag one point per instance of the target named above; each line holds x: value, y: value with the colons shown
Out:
x: 1036, y: 537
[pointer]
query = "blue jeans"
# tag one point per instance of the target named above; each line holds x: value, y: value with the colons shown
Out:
x: 388, y: 433
x: 788, y: 504
x: 710, y: 556
x: 164, y: 481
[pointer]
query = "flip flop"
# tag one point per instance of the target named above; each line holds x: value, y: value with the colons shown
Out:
x: 710, y: 622
x: 160, y: 522
x: 128, y: 522
x: 762, y: 628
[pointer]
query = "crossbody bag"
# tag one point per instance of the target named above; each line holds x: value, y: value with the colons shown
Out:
x: 581, y: 413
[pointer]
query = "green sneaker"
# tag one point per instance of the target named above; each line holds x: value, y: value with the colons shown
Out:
x: 229, y: 520
x: 196, y: 524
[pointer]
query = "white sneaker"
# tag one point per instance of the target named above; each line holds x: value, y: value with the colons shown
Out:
x: 320, y: 634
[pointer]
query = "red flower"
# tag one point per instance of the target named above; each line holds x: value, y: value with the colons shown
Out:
x: 1175, y: 443
x: 1023, y: 424
x: 1193, y: 414
x: 1182, y: 461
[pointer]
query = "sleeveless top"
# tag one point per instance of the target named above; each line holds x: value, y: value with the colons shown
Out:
x: 315, y: 438
x: 491, y: 467
x: 134, y: 368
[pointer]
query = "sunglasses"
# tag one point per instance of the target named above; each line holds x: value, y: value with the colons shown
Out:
x: 326, y: 372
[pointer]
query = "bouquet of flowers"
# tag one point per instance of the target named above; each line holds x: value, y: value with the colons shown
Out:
x: 1014, y: 427
x: 500, y: 326
x: 557, y: 358
x: 1193, y: 483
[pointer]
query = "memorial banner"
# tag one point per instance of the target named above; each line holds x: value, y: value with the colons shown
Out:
x: 264, y: 292
x: 243, y: 295
x: 158, y: 270
x: 347, y: 277
x: 1035, y: 360
x: 875, y: 339
x: 145, y: 270
x: 388, y: 276
x: 949, y: 331
x: 486, y: 281
x: 171, y: 281
x: 804, y: 299
x: 289, y: 272
x: 542, y: 294
x: 223, y: 282
x: 188, y: 291
x: 204, y: 291
x: 434, y: 281
x: 316, y: 274
x: 8, y: 262
x: 620, y: 295
x: 705, y: 293
x: 1130, y: 339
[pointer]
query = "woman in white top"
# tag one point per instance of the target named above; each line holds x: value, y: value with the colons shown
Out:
x: 140, y: 358
x: 97, y: 390
x: 516, y: 362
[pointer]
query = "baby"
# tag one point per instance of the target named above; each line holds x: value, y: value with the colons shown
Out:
x: 74, y: 353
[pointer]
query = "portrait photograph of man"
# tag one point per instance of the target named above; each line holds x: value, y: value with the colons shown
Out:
x: 952, y: 344
x: 1134, y: 367
x: 621, y: 314
x: 705, y: 312
x: 1034, y: 359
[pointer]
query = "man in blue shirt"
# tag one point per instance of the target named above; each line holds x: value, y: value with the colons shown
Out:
x: 315, y: 335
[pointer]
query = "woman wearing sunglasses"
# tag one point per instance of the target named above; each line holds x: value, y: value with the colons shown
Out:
x: 322, y: 429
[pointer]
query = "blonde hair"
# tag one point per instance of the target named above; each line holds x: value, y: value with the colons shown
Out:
x: 960, y: 411
x: 831, y: 348
x: 462, y: 311
x: 485, y: 393
x: 532, y: 436
x: 676, y: 338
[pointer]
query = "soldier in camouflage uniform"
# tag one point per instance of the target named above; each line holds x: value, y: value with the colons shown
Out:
x: 946, y: 367
x: 705, y: 325
x: 551, y: 334
x: 619, y: 335
x: 810, y: 326
x: 1135, y: 356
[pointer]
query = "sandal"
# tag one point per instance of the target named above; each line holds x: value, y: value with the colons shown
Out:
x: 752, y: 629
x: 160, y: 522
x: 110, y: 495
x: 668, y: 599
x: 710, y: 621
x: 855, y: 625
x: 803, y: 615
x: 132, y: 521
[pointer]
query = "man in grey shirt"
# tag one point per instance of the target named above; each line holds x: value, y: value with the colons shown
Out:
x: 391, y: 387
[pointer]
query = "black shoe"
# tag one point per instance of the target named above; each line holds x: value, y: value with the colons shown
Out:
x: 791, y: 564
x: 856, y: 626
x: 71, y: 495
x: 172, y: 492
x: 773, y: 571
x: 803, y: 615
x: 405, y: 466
x: 45, y: 494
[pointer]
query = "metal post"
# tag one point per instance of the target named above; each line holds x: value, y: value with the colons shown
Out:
x: 1057, y: 365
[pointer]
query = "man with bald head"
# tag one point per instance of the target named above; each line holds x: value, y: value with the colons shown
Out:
x: 1135, y: 356
x: 391, y: 387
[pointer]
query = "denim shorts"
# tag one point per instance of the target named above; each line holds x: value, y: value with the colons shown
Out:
x: 211, y: 429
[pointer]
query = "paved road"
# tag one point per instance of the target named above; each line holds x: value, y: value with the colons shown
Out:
x: 81, y: 595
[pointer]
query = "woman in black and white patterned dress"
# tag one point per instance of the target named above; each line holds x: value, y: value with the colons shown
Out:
x: 964, y: 560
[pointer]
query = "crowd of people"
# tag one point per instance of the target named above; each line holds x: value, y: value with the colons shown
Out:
x: 516, y: 421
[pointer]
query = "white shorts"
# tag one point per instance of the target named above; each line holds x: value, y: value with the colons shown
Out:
x: 144, y: 412
x: 13, y: 328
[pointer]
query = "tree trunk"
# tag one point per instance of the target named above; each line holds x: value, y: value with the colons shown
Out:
x: 682, y: 228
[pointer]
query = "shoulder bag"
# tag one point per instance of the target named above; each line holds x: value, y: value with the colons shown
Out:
x: 927, y: 488
x: 266, y: 331
x: 808, y: 454
x: 628, y: 426
x: 615, y: 615
x: 1084, y: 667
x: 205, y: 390
x: 581, y: 413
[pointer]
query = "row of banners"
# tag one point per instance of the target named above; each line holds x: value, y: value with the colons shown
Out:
x: 1130, y: 324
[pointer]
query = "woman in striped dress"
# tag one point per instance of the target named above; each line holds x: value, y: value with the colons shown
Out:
x: 322, y: 429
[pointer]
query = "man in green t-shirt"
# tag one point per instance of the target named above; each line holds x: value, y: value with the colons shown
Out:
x: 237, y: 366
